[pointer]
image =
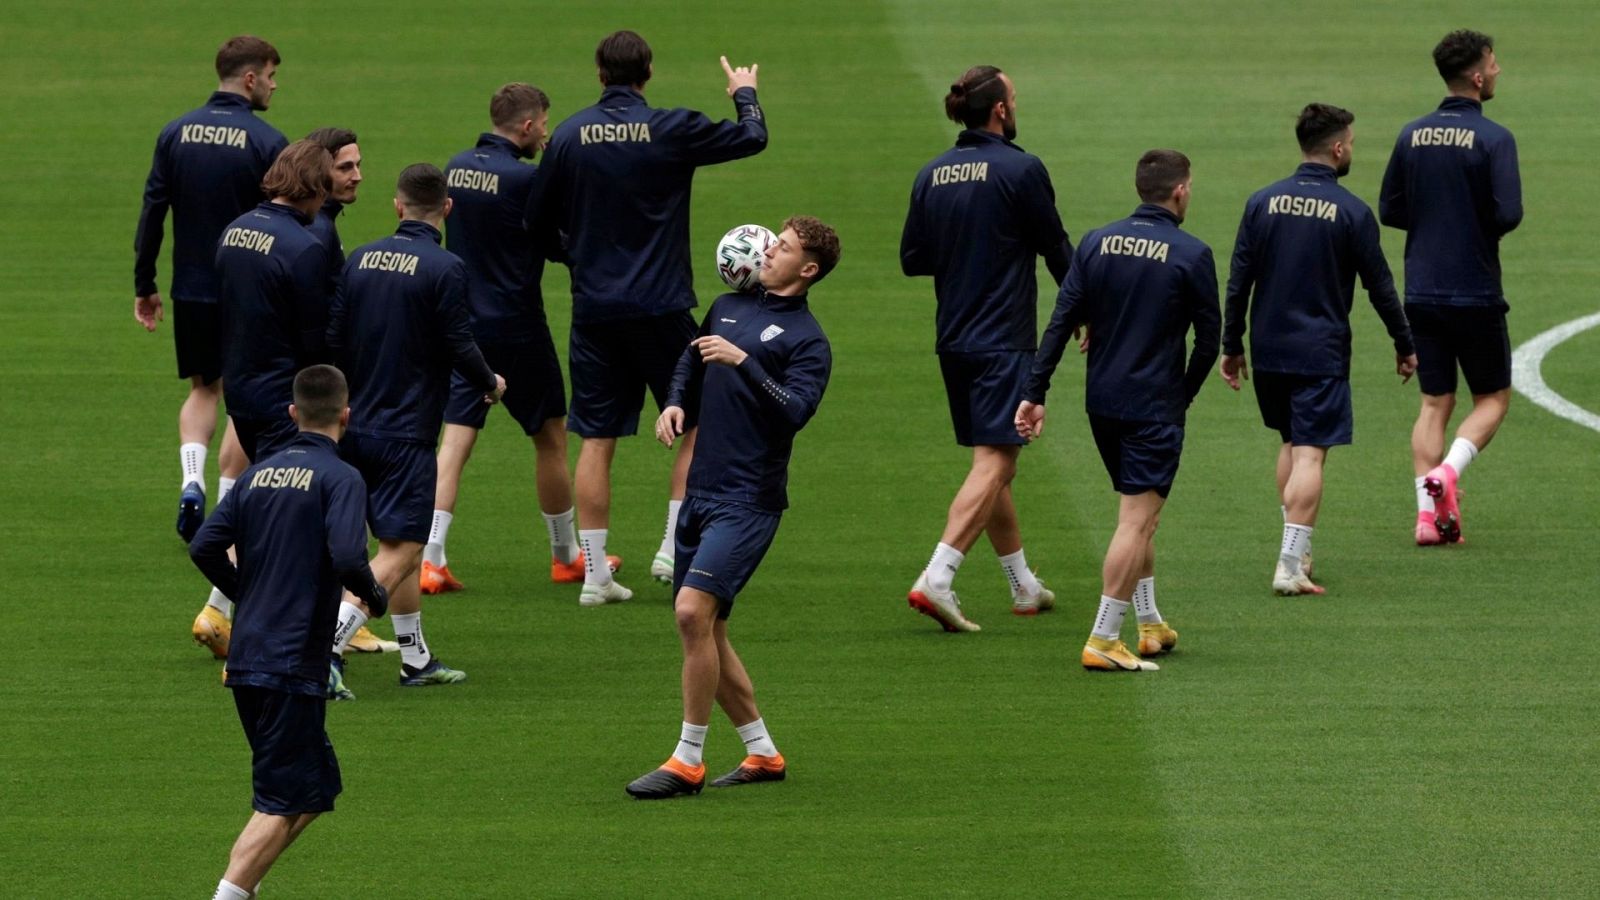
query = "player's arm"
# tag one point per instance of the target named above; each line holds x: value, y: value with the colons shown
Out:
x: 916, y: 256
x: 209, y: 549
x: 1392, y: 207
x: 1242, y: 277
x: 683, y: 393
x: 1206, y: 319
x: 1043, y: 222
x: 703, y: 142
x: 345, y: 525
x: 147, y: 239
x: 1379, y: 283
x: 1064, y: 321
x: 793, y: 393
x: 1505, y: 183
x: 339, y: 316
x: 541, y: 207
x: 308, y: 283
x: 455, y: 324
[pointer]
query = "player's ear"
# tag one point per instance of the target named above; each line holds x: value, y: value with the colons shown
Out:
x: 399, y: 208
x: 344, y: 417
x: 809, y: 270
x: 449, y: 204
x: 294, y: 414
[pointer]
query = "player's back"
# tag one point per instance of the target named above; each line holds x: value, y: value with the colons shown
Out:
x: 489, y: 189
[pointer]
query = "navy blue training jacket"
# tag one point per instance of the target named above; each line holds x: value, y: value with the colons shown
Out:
x: 490, y: 185
x: 326, y: 228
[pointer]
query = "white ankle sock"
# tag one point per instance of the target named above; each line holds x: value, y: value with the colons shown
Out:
x: 1296, y: 540
x: 351, y: 618
x: 433, y: 552
x: 1424, y: 499
x: 691, y: 744
x: 224, y: 485
x: 563, y: 535
x: 942, y: 567
x: 1108, y: 622
x: 1144, y: 601
x: 408, y: 633
x: 1023, y: 584
x: 193, y: 459
x: 756, y: 740
x: 220, y: 602
x: 1462, y: 453
x: 595, y: 568
x: 227, y: 890
x: 669, y: 545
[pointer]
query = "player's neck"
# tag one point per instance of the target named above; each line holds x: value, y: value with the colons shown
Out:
x: 332, y: 432
x: 232, y: 87
x: 436, y: 222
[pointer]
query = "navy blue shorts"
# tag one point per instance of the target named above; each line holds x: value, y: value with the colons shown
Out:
x: 1306, y: 410
x: 1139, y: 456
x: 984, y: 390
x: 1473, y: 337
x: 261, y: 438
x: 400, y: 477
x: 535, y: 393
x: 718, y: 547
x: 293, y: 769
x: 197, y: 332
x: 613, y: 362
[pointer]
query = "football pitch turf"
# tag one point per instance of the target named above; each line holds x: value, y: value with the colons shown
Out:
x: 1425, y: 729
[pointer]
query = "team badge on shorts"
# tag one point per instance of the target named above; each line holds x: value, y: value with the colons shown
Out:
x: 770, y: 332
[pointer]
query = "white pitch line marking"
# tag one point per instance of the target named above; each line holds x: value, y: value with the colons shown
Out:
x: 1526, y: 379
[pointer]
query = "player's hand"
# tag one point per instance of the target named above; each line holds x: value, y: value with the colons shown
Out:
x: 716, y: 349
x: 669, y: 425
x: 1029, y: 419
x: 499, y: 391
x: 1234, y: 370
x: 1405, y: 367
x: 742, y: 77
x: 147, y: 310
x: 1083, y: 342
x: 376, y: 611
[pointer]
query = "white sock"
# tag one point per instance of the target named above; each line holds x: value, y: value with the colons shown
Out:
x: 691, y: 744
x: 563, y: 535
x: 351, y: 618
x: 1108, y: 622
x: 433, y: 551
x: 669, y: 545
x: 1296, y: 540
x: 942, y: 567
x: 756, y: 740
x: 1023, y: 584
x: 220, y: 602
x: 408, y: 633
x: 1424, y: 499
x: 227, y: 890
x: 193, y: 458
x: 1462, y: 452
x: 1144, y: 601
x: 595, y: 568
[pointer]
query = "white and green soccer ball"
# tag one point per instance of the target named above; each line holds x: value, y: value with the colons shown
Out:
x: 739, y: 256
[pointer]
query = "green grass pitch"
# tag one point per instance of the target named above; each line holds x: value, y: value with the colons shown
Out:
x: 1426, y: 729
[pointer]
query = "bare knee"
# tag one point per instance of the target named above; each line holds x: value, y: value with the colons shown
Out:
x: 997, y: 464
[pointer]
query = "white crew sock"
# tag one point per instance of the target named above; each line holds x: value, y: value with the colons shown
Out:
x: 193, y: 458
x: 1296, y: 540
x: 1023, y: 584
x: 351, y: 618
x: 942, y: 567
x: 408, y: 633
x: 1424, y: 499
x: 595, y: 568
x: 1108, y: 622
x: 563, y: 535
x: 220, y: 601
x: 669, y: 546
x: 433, y: 551
x: 224, y: 485
x: 691, y: 744
x: 1144, y: 601
x: 227, y: 890
x: 1462, y: 453
x: 756, y: 740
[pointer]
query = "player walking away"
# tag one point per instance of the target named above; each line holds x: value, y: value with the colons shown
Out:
x: 754, y: 375
x: 980, y: 215
x: 1139, y: 285
x: 399, y: 325
x: 489, y: 187
x: 207, y: 169
x: 615, y: 180
x: 1452, y: 186
x: 341, y: 145
x: 1301, y: 243
x: 296, y: 520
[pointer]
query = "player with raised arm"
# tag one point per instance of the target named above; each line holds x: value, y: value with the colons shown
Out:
x: 981, y: 215
x: 1452, y: 185
x: 1301, y: 244
x: 297, y: 523
x: 615, y: 181
x: 1139, y: 285
x: 755, y: 375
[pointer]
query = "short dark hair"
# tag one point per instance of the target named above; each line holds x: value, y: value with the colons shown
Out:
x: 1158, y: 173
x: 973, y: 96
x: 422, y: 187
x: 1319, y: 124
x: 320, y: 396
x: 818, y: 241
x: 1459, y: 52
x: 242, y: 54
x: 516, y: 102
x: 623, y: 58
x: 302, y: 171
x: 332, y: 139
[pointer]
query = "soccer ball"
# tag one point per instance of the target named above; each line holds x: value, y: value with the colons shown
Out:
x: 739, y: 256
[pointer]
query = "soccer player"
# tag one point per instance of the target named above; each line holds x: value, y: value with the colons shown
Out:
x: 1452, y: 185
x: 341, y: 145
x: 296, y: 521
x: 489, y: 187
x: 399, y: 325
x: 1301, y: 243
x: 1139, y: 284
x: 755, y: 374
x: 615, y: 180
x: 207, y: 169
x: 981, y: 214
